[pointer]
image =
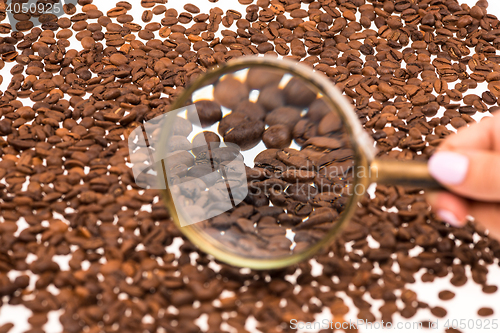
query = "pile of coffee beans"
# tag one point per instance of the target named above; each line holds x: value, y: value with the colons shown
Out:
x: 68, y: 109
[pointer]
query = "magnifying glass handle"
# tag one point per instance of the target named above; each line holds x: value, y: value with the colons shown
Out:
x: 408, y: 173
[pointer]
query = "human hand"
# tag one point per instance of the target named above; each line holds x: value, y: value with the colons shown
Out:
x: 468, y: 165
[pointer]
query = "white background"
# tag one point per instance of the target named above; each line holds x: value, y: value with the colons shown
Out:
x: 467, y: 301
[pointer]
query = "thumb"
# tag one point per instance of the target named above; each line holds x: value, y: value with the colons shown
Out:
x: 470, y: 173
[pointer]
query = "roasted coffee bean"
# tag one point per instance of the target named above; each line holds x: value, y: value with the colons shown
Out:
x: 118, y: 59
x: 446, y: 295
x: 147, y: 16
x: 241, y: 130
x: 182, y: 127
x: 324, y: 143
x: 490, y: 289
x: 230, y: 121
x: 298, y: 93
x: 5, y: 328
x: 258, y: 78
x: 277, y: 136
x: 485, y: 312
x: 206, y: 114
x: 271, y: 97
x: 205, y: 141
x: 318, y: 110
x: 330, y: 123
x: 286, y: 116
x: 246, y: 135
x: 303, y: 131
x: 230, y: 92
x: 251, y: 109
x: 458, y: 122
x: 439, y: 312
x: 178, y: 142
x: 191, y: 8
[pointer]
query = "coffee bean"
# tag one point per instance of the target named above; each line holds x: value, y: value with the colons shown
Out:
x: 322, y: 142
x: 205, y: 141
x: 446, y: 295
x: 438, y: 312
x: 485, y: 312
x: 490, y: 289
x: 286, y: 116
x: 206, y: 114
x: 191, y: 8
x: 298, y: 94
x: 317, y: 110
x: 258, y: 78
x: 5, y: 328
x: 251, y: 109
x: 246, y: 135
x: 230, y: 92
x: 277, y: 136
x: 182, y: 127
x: 147, y: 16
x: 330, y: 123
x: 303, y: 131
x: 118, y: 59
x: 452, y: 330
x: 271, y: 98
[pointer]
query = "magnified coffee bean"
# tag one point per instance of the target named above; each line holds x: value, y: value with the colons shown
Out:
x: 287, y: 116
x: 204, y: 141
x: 229, y: 92
x: 258, y: 78
x: 251, y: 110
x: 277, y: 136
x: 298, y: 93
x: 304, y: 130
x: 271, y: 98
x: 330, y: 123
x: 208, y: 113
x: 318, y: 110
x: 246, y: 134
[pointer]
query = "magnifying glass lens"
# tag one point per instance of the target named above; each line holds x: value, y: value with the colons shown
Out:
x: 259, y: 164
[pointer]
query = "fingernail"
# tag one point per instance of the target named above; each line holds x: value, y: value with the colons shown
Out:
x: 449, y: 217
x: 448, y: 168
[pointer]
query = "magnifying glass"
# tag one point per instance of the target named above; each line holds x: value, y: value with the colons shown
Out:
x: 262, y: 162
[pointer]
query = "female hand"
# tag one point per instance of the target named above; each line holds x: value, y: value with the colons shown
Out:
x: 468, y: 165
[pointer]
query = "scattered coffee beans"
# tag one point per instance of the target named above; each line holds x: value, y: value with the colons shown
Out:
x: 68, y: 109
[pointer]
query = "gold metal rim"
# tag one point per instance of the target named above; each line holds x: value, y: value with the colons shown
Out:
x: 360, y: 141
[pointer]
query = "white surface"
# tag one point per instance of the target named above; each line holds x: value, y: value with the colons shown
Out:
x: 467, y: 301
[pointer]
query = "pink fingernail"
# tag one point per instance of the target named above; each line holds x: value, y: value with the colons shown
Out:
x: 449, y: 217
x: 448, y: 168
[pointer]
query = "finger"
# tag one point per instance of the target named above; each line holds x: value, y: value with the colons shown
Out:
x: 449, y: 207
x: 483, y: 135
x: 487, y: 215
x: 454, y: 210
x: 469, y: 173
